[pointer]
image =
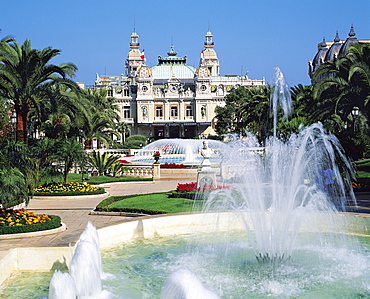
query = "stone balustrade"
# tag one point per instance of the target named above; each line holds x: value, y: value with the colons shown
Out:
x: 143, y: 170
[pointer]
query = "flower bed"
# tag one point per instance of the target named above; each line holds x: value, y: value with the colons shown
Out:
x: 23, y: 221
x: 192, y: 191
x: 69, y: 189
x: 363, y: 186
x: 172, y: 165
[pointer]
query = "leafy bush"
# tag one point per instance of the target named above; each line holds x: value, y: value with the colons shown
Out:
x: 135, y: 142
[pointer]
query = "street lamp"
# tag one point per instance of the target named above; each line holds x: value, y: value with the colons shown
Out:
x: 355, y: 111
x: 13, y: 120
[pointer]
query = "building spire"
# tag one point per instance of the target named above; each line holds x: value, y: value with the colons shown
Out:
x: 323, y: 43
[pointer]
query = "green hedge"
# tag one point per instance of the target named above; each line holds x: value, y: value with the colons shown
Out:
x: 55, y: 222
x: 71, y: 193
x: 105, y: 179
x: 134, y: 210
x: 195, y: 195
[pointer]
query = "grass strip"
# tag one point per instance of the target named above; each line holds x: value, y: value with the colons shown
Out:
x: 95, y: 180
x: 157, y: 203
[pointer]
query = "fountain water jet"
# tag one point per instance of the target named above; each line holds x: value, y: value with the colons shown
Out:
x: 174, y: 150
x: 292, y: 184
x: 62, y: 285
x: 85, y: 268
x: 183, y: 284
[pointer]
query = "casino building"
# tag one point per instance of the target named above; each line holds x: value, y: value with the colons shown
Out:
x: 171, y: 99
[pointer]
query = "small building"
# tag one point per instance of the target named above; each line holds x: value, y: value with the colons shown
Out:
x: 171, y: 99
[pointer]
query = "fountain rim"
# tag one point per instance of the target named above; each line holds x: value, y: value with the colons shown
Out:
x: 17, y: 259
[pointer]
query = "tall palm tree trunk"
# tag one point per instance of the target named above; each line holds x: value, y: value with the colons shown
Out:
x: 22, y: 122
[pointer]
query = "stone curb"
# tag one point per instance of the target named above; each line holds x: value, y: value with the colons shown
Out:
x: 34, y: 234
x: 126, y: 214
x: 105, y: 194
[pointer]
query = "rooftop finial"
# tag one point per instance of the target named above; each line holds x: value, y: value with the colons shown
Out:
x: 337, y: 39
x: 352, y: 32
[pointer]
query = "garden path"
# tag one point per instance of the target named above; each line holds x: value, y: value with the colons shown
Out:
x: 75, y: 213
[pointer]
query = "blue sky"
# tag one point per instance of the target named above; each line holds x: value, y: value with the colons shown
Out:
x: 249, y: 36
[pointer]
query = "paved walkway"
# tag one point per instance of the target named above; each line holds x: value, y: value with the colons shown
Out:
x: 75, y: 213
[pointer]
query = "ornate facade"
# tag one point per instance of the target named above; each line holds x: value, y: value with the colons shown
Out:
x: 171, y: 99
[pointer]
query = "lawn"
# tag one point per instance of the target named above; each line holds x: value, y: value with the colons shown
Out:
x: 154, y: 203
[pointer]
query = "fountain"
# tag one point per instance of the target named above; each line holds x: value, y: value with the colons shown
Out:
x: 285, y: 233
x: 292, y: 183
x: 174, y: 151
x: 84, y: 279
x: 182, y: 283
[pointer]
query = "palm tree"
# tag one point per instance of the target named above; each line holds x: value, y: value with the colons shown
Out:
x: 97, y: 127
x: 25, y: 77
x: 342, y: 84
x: 123, y: 128
x: 102, y: 161
x: 63, y: 114
x: 69, y: 152
x: 102, y: 116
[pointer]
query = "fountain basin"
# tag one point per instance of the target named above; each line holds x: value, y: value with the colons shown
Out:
x: 175, y: 251
x: 45, y: 259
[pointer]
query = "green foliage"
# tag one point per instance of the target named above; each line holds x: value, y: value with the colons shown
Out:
x: 102, y: 162
x: 68, y: 153
x: 245, y: 109
x: 117, y: 168
x: 355, y: 146
x: 135, y: 142
x: 26, y: 75
x: 123, y: 128
x: 55, y: 222
x: 17, y: 178
x: 13, y: 187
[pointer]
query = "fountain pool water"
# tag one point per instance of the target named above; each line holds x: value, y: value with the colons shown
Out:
x: 226, y: 266
x: 175, y: 151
